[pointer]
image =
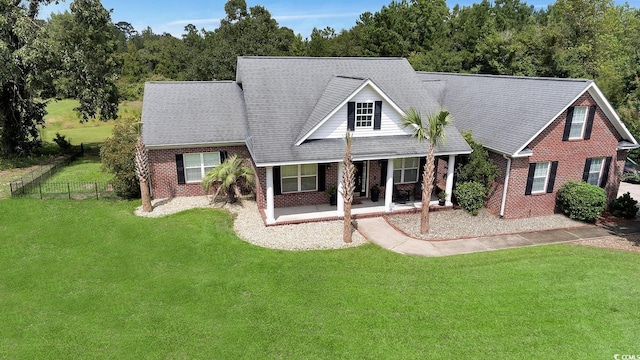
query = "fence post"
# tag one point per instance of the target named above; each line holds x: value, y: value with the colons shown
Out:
x: 40, y: 187
x: 11, y: 188
x: 96, y: 184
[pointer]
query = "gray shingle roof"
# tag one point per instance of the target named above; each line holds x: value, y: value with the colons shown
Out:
x: 281, y: 94
x: 503, y: 112
x: 188, y: 113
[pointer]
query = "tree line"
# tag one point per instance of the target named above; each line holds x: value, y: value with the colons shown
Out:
x: 594, y: 39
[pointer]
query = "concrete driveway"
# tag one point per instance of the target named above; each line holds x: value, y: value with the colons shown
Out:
x: 634, y: 189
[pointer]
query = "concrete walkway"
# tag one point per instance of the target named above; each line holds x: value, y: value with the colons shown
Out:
x: 378, y: 231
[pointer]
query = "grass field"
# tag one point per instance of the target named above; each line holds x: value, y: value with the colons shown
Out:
x: 62, y: 119
x: 90, y: 280
x: 86, y: 168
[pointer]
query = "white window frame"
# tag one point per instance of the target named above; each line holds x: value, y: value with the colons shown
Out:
x: 364, y: 114
x: 583, y: 121
x: 403, y: 169
x: 203, y: 167
x: 299, y: 176
x: 546, y: 178
x: 602, y: 162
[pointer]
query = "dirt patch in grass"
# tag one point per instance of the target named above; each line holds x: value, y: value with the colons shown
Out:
x: 7, y: 175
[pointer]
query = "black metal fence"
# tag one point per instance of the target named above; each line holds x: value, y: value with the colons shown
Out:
x: 77, y: 190
x: 35, y: 185
x: 24, y: 184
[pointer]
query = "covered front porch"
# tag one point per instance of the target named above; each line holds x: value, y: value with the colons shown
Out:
x: 360, y: 208
x: 363, y: 206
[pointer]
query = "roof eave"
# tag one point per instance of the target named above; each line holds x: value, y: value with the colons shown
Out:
x: 195, y: 145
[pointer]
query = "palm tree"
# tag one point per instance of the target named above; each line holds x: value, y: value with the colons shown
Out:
x: 433, y: 131
x: 142, y: 172
x: 348, y: 186
x: 230, y: 177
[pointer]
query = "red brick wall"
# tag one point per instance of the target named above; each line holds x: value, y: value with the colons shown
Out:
x: 494, y: 200
x: 571, y: 156
x: 164, y: 178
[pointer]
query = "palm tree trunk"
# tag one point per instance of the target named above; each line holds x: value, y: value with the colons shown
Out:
x: 146, y: 196
x: 348, y: 185
x: 427, y: 188
x: 347, y: 234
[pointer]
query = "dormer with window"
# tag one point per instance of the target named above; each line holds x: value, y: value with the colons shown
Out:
x: 353, y: 104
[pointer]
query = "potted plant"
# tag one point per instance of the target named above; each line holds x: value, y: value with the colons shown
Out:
x: 375, y: 193
x: 442, y: 198
x: 332, y: 194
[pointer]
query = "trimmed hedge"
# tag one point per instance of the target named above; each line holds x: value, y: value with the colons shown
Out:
x: 582, y: 201
x: 470, y: 196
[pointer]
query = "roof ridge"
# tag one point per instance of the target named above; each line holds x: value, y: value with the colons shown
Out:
x: 503, y: 76
x: 322, y: 57
x: 190, y: 82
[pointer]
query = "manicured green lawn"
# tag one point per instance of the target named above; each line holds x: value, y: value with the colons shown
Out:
x: 86, y: 168
x: 89, y: 280
x: 62, y: 119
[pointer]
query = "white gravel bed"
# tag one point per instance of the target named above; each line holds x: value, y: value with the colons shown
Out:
x: 249, y: 226
x: 309, y: 236
x: 628, y: 243
x: 458, y: 224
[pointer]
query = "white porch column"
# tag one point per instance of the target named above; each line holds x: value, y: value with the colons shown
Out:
x: 449, y: 186
x: 340, y: 198
x: 388, y: 191
x: 271, y: 219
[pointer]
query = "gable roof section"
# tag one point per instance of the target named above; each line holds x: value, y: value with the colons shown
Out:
x: 193, y: 113
x: 338, y: 89
x: 504, y: 113
x: 335, y: 99
x: 281, y: 93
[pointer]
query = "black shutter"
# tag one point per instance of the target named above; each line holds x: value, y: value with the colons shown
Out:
x: 585, y: 172
x: 532, y: 171
x: 223, y: 156
x: 277, y: 184
x: 351, y: 116
x: 180, y: 168
x: 377, y: 116
x: 567, y: 124
x: 322, y: 177
x: 605, y: 172
x: 383, y: 172
x: 589, y: 126
x: 552, y: 176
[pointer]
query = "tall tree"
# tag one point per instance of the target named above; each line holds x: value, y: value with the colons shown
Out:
x: 348, y: 187
x: 433, y: 131
x: 32, y: 57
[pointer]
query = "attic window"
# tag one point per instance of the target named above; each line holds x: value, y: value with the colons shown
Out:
x: 578, y: 121
x: 364, y: 114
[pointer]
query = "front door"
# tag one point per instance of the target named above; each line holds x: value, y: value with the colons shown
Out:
x: 361, y: 178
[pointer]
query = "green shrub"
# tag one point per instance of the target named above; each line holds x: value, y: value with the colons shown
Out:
x: 476, y: 166
x: 582, y: 201
x: 63, y: 143
x: 117, y: 156
x: 624, y: 206
x: 470, y: 196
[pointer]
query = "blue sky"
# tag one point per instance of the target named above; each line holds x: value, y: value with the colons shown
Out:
x: 300, y: 15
